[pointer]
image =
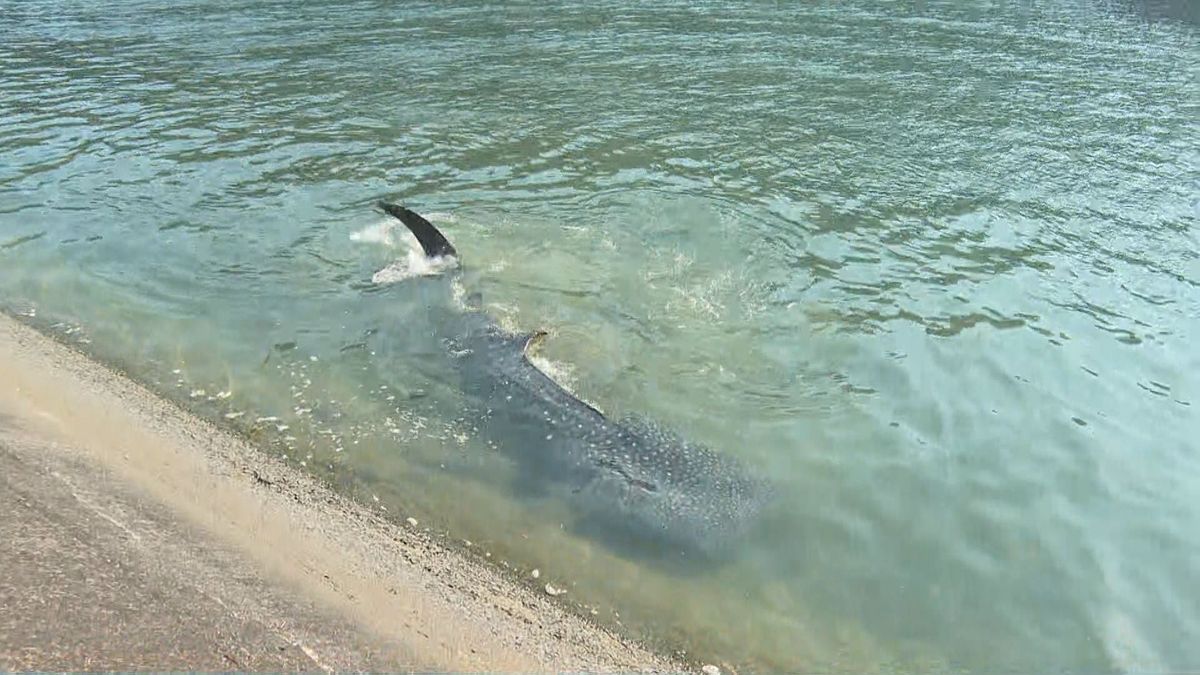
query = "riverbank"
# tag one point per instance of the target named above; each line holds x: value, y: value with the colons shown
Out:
x: 143, y: 537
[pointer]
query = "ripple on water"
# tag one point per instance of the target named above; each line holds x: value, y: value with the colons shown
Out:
x: 932, y: 268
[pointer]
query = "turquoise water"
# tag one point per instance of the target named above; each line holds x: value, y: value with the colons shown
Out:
x: 931, y: 267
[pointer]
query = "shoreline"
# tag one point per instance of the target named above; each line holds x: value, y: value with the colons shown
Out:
x: 386, y: 595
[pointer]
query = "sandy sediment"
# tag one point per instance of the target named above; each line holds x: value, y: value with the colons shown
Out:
x: 139, y: 536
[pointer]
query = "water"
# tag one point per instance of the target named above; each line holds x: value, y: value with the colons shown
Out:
x: 931, y: 267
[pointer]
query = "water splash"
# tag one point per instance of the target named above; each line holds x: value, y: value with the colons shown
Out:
x: 414, y: 263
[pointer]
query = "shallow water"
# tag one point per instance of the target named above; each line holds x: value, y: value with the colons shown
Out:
x: 932, y: 269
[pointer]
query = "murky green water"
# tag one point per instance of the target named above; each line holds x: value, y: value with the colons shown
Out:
x: 932, y: 267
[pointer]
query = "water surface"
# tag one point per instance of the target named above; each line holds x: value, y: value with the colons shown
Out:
x: 931, y: 268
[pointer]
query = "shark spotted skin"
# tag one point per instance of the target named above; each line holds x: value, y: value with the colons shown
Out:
x: 633, y: 482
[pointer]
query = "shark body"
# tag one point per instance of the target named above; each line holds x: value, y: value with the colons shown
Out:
x: 631, y: 480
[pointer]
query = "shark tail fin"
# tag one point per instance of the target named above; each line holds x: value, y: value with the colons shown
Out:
x: 434, y: 243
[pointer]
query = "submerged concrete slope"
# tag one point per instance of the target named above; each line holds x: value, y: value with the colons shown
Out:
x: 138, y: 536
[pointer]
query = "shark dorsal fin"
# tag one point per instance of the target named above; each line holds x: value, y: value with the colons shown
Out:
x: 433, y: 242
x: 532, y: 341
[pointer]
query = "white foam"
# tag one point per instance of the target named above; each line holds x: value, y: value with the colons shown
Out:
x: 414, y: 263
x: 563, y: 374
x: 458, y: 293
x: 383, y: 232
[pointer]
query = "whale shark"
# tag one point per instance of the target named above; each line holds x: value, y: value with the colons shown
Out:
x: 631, y: 481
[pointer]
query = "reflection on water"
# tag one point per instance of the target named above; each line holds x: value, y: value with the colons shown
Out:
x: 932, y: 268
